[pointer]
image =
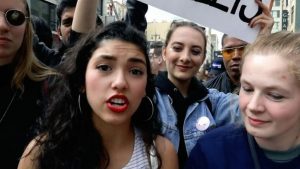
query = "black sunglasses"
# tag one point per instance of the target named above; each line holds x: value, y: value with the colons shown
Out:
x: 14, y: 17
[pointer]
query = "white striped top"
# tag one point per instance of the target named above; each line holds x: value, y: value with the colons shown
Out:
x: 139, y: 158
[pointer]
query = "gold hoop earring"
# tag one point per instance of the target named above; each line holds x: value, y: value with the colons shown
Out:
x: 152, y: 108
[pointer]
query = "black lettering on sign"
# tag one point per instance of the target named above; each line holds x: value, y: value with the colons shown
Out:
x: 235, y: 5
x: 234, y: 9
x: 214, y: 4
x: 244, y: 18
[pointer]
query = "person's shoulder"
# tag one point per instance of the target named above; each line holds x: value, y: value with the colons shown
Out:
x: 217, y: 94
x: 227, y: 132
x: 222, y: 145
x: 30, y: 154
x: 167, y: 152
x: 211, y: 80
x: 215, y: 81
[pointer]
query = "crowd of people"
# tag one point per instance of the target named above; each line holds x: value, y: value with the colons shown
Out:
x: 106, y: 98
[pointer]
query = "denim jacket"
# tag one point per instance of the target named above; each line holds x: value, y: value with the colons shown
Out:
x: 198, y: 120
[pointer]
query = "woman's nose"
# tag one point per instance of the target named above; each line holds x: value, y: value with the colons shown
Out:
x: 256, y: 103
x: 3, y: 23
x: 185, y: 56
x: 120, y: 81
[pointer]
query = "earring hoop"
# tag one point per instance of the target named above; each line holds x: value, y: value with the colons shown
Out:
x: 79, y: 103
x: 152, y: 108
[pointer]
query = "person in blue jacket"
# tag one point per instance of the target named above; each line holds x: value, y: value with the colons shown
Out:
x: 188, y: 110
x: 269, y: 101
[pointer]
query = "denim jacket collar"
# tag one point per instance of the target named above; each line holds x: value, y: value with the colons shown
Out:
x: 196, y: 90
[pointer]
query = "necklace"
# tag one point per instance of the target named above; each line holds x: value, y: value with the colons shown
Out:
x: 7, y: 108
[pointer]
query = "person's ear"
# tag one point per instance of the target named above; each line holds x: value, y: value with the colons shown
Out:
x: 59, y: 32
x: 163, y: 53
x: 160, y: 59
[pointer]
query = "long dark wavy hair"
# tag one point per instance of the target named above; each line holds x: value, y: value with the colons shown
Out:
x: 68, y: 138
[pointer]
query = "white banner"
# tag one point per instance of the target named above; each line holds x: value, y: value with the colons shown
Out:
x: 227, y: 16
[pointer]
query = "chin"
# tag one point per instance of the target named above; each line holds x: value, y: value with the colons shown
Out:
x: 255, y: 132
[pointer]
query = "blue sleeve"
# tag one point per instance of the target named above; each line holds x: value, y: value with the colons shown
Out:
x: 225, y: 107
x: 196, y: 158
x: 135, y: 15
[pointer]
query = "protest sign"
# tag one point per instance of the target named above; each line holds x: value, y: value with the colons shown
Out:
x: 228, y: 16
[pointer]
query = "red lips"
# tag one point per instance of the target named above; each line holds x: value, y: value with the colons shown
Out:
x: 117, y: 103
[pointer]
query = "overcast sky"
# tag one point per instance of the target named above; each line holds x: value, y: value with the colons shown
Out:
x: 159, y: 15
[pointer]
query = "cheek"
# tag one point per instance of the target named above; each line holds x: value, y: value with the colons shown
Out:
x: 92, y: 83
x: 285, y: 113
x: 243, y: 102
x: 226, y: 63
x: 167, y: 59
x: 171, y: 57
x: 65, y: 30
x: 140, y: 88
x: 19, y: 35
x: 199, y: 61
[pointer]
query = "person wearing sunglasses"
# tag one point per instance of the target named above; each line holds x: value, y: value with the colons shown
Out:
x: 22, y: 81
x: 232, y: 52
x: 228, y: 81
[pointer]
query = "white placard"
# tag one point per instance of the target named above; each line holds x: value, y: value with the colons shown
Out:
x: 227, y: 16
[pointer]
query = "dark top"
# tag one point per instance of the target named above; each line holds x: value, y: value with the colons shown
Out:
x: 228, y: 148
x: 222, y: 83
x: 48, y: 56
x: 180, y: 104
x: 16, y: 127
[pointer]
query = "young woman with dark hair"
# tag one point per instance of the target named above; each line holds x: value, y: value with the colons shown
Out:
x: 101, y: 113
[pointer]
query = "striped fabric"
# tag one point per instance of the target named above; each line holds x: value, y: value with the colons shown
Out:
x: 139, y: 158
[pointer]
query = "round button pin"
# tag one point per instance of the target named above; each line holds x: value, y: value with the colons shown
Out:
x: 202, y: 123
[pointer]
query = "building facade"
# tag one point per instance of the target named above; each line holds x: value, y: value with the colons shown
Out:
x: 292, y: 13
x: 45, y: 9
x: 157, y: 31
x: 277, y: 15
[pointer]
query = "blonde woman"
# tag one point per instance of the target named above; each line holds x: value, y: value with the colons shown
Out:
x: 269, y: 100
x: 22, y: 81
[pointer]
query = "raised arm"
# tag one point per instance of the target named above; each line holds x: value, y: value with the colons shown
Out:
x: 85, y: 16
x: 264, y: 20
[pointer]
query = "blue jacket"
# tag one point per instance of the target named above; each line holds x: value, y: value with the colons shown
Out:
x: 228, y: 148
x: 198, y: 119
